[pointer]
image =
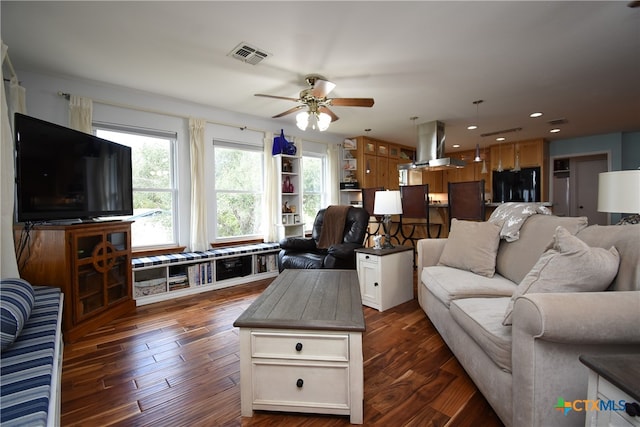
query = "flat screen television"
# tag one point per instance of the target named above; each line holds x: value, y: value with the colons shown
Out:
x: 64, y: 174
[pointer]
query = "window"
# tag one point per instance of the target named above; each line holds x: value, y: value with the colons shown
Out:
x: 238, y: 188
x: 154, y: 189
x: 313, y: 179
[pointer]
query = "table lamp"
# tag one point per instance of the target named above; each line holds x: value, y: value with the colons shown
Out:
x: 387, y: 203
x: 619, y: 191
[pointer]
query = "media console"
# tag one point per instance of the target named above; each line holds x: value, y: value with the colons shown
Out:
x: 163, y: 277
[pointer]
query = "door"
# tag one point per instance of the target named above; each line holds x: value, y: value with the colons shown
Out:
x: 585, y: 184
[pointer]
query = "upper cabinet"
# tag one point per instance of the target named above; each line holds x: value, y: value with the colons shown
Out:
x: 503, y: 155
x: 377, y: 162
x: 528, y: 153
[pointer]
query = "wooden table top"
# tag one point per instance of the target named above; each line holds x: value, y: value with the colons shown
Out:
x: 308, y: 299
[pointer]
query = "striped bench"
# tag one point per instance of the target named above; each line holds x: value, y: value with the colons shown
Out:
x: 31, y: 367
x: 195, y: 256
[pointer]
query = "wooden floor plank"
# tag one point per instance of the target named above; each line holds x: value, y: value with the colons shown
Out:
x: 176, y: 363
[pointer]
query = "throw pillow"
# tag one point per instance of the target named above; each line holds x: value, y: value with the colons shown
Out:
x: 472, y: 246
x: 16, y: 302
x: 568, y: 265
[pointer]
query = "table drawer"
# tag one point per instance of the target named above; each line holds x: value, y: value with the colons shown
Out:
x: 317, y: 384
x: 368, y: 258
x: 329, y: 347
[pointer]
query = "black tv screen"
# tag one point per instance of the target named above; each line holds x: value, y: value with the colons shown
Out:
x: 64, y: 174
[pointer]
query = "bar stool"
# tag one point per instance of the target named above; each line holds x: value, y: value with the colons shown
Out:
x: 466, y: 201
x: 368, y: 202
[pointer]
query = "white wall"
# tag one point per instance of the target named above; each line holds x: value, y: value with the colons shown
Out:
x: 121, y: 105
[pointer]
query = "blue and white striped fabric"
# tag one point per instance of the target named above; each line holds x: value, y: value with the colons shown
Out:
x: 27, y: 367
x: 212, y: 253
x: 16, y: 302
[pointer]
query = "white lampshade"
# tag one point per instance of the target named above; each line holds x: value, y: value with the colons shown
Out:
x: 619, y: 191
x: 387, y: 203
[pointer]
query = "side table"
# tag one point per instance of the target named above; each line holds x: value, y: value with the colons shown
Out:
x: 385, y: 276
x: 614, y: 380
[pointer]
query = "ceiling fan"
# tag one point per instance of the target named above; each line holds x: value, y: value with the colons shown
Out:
x: 314, y: 98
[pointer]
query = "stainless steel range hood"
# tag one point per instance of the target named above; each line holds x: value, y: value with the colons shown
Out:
x: 430, y: 150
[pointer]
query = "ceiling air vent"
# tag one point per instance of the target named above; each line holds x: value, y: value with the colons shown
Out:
x: 557, y: 122
x: 249, y: 54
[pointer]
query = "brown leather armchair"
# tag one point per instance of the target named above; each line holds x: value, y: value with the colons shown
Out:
x: 297, y: 252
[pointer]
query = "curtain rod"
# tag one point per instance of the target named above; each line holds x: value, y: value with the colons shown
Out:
x: 67, y: 96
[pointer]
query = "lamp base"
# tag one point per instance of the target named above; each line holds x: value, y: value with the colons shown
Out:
x: 386, y: 224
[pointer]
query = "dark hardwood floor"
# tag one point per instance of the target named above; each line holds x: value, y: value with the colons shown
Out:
x: 176, y: 363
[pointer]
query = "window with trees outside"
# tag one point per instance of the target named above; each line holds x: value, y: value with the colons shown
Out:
x: 154, y: 188
x: 313, y: 179
x: 239, y: 189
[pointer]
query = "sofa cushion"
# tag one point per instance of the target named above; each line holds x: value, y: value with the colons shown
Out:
x: 515, y: 259
x: 482, y: 318
x: 569, y: 265
x: 17, y: 299
x: 472, y: 246
x: 625, y: 238
x: 448, y: 284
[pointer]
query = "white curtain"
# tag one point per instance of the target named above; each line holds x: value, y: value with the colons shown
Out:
x: 271, y: 209
x: 198, y: 227
x: 333, y: 166
x: 80, y: 113
x: 8, y: 263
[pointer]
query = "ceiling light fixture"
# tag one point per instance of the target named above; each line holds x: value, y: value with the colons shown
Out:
x: 477, y: 104
x: 319, y: 121
x: 536, y: 114
x: 555, y: 130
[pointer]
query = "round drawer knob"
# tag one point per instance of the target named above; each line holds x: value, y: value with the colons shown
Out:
x: 299, y: 383
x: 366, y: 257
x: 299, y: 346
x: 375, y: 284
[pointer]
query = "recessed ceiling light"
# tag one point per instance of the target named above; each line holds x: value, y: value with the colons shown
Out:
x: 534, y: 115
x: 472, y: 127
x: 502, y: 138
x: 556, y: 130
x: 456, y: 145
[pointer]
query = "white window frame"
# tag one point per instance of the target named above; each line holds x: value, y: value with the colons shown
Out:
x: 323, y: 183
x: 244, y: 146
x: 173, y: 182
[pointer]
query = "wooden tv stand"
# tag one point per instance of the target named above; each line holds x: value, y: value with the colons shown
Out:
x: 89, y: 262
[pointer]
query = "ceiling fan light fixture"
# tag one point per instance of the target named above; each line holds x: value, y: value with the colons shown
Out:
x: 324, y: 120
x: 302, y: 120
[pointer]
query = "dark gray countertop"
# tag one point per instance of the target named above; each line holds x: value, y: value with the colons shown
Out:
x: 621, y: 370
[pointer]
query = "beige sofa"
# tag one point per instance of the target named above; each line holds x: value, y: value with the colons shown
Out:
x: 523, y: 369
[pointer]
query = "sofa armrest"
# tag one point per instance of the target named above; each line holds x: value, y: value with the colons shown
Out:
x: 298, y: 244
x: 580, y: 318
x: 429, y: 251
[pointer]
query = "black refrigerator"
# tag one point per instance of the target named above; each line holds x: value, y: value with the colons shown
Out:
x: 517, y: 186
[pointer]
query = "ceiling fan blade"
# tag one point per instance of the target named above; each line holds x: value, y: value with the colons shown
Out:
x: 278, y: 97
x: 289, y: 111
x: 329, y: 112
x: 321, y: 88
x: 351, y: 102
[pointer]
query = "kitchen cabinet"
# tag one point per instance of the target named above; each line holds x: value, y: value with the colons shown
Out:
x: 504, y: 152
x: 377, y: 161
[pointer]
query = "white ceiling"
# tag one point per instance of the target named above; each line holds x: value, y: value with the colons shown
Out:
x: 578, y: 61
